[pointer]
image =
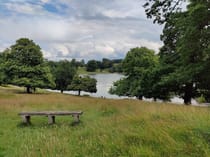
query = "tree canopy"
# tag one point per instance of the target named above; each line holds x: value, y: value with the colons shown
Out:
x: 24, y: 66
x: 137, y: 63
x: 185, y: 53
x: 84, y: 83
x: 161, y: 10
x: 91, y: 65
x: 63, y: 72
x: 2, y: 62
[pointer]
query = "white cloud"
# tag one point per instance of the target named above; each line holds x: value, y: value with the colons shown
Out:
x: 104, y: 49
x: 24, y: 8
x: 45, y: 1
x: 62, y: 49
x: 39, y: 29
x: 102, y: 29
x: 47, y: 54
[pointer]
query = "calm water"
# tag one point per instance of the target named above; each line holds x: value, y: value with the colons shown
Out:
x: 105, y: 81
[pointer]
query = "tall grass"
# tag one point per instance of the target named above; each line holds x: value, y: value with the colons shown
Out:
x: 108, y: 128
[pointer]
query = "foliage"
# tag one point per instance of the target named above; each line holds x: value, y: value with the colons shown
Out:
x: 186, y: 46
x: 24, y: 66
x: 116, y: 68
x: 106, y: 65
x: 161, y: 10
x: 136, y: 66
x: 84, y: 83
x: 201, y: 99
x: 91, y: 65
x: 78, y: 63
x: 2, y: 62
x: 64, y: 72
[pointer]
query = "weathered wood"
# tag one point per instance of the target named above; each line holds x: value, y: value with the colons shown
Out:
x: 76, y: 117
x: 57, y: 113
x: 26, y: 119
x: 51, y: 119
x: 50, y: 114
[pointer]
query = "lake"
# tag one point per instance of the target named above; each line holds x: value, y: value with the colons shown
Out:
x: 104, y: 83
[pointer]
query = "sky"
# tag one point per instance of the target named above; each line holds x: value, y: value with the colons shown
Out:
x: 80, y: 29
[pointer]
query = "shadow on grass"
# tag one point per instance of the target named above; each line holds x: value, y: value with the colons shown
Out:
x: 76, y: 123
x: 33, y: 93
x: 46, y: 125
x: 22, y: 125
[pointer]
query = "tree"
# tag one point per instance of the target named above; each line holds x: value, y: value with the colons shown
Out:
x: 85, y: 83
x: 106, y: 63
x: 136, y: 64
x: 161, y: 10
x: 117, y: 67
x: 3, y: 79
x: 24, y: 66
x: 64, y: 72
x: 186, y: 46
x: 91, y: 65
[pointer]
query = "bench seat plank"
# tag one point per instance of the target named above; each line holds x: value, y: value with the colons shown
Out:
x: 45, y: 113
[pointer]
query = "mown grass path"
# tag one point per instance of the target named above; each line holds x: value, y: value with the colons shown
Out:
x: 108, y: 128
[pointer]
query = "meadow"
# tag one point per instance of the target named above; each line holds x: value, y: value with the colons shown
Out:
x: 108, y: 128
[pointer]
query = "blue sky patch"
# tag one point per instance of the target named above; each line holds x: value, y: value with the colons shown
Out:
x: 55, y: 8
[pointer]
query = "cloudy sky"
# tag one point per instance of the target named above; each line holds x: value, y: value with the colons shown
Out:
x: 81, y: 29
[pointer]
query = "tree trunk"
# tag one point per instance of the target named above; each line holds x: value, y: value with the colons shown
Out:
x: 188, y: 93
x: 62, y: 91
x: 140, y: 97
x: 28, y: 89
x: 79, y: 91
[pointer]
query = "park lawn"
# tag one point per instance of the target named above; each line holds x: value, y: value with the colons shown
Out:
x: 108, y: 128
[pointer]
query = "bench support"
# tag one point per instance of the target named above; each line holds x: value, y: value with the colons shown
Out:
x: 26, y: 119
x: 76, y: 117
x: 51, y: 119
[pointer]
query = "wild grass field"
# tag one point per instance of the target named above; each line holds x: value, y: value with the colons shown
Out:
x: 108, y: 128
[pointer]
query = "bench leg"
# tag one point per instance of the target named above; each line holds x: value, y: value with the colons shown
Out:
x: 26, y: 119
x: 76, y: 118
x: 51, y: 119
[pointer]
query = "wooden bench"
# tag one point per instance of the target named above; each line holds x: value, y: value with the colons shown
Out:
x: 26, y: 116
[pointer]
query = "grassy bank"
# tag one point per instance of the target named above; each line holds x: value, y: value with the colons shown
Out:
x: 108, y: 128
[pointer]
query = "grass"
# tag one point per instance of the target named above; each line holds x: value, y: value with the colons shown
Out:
x: 108, y: 128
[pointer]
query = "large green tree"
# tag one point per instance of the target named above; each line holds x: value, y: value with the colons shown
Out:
x: 186, y: 50
x: 2, y: 62
x: 63, y: 72
x: 85, y: 83
x: 91, y: 65
x: 137, y: 63
x: 24, y: 66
